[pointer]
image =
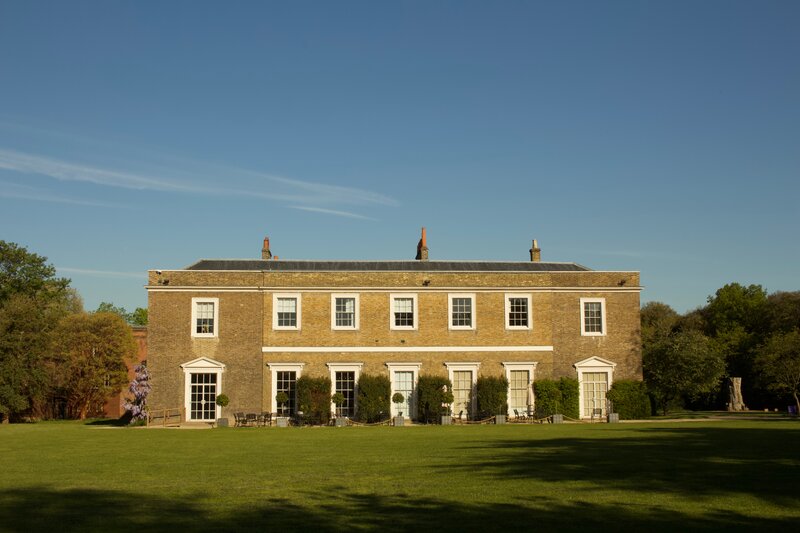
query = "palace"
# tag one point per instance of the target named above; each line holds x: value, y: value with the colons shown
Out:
x: 250, y: 327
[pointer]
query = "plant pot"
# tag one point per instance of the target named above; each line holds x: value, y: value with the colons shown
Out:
x: 447, y: 420
x: 282, y: 422
x: 222, y: 422
x: 558, y: 419
x: 399, y: 421
x: 340, y: 422
x: 613, y: 418
x: 499, y: 419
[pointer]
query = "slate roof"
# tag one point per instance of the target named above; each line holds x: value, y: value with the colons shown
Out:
x: 384, y: 266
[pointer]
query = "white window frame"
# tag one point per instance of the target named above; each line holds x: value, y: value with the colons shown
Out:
x: 602, y: 302
x: 592, y: 365
x: 461, y: 366
x: 274, y: 368
x: 412, y: 402
x: 530, y: 366
x: 345, y: 367
x: 356, y: 313
x: 450, y: 298
x: 201, y: 365
x: 195, y: 302
x: 507, y: 308
x: 298, y: 299
x: 395, y: 296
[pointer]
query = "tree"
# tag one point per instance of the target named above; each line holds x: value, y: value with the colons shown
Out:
x: 90, y: 352
x: 778, y: 360
x: 139, y: 389
x: 136, y: 318
x: 23, y: 272
x: 686, y: 364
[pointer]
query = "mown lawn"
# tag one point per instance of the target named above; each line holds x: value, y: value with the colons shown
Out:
x: 66, y: 476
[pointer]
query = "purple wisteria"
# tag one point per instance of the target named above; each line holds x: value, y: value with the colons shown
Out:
x: 140, y: 388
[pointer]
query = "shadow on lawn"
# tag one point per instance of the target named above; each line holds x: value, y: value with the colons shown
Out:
x: 87, y: 510
x: 686, y: 461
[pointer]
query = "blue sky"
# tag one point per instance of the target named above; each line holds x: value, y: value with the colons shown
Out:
x: 662, y: 137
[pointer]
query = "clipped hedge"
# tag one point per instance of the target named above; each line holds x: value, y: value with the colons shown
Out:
x: 373, y: 398
x: 557, y: 396
x: 314, y: 399
x: 430, y: 398
x: 570, y: 397
x: 492, y: 396
x: 548, y: 397
x: 630, y: 399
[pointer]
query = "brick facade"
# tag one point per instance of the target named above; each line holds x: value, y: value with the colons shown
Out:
x: 246, y: 342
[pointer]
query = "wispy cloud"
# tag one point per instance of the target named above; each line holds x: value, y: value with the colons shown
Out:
x: 329, y: 212
x: 102, y: 273
x: 22, y: 192
x: 202, y: 179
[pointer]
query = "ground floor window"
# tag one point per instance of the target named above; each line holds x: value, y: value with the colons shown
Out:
x: 346, y: 384
x: 203, y: 396
x: 462, y: 392
x: 404, y: 384
x: 518, y: 390
x: 286, y: 381
x: 595, y: 386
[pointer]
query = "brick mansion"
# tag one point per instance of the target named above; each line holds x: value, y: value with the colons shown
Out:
x: 250, y: 328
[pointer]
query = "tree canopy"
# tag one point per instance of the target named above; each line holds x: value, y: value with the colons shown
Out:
x: 24, y: 272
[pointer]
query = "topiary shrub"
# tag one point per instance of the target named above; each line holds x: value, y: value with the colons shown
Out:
x: 431, y: 396
x: 373, y: 398
x: 630, y: 400
x: 223, y: 400
x: 548, y: 397
x: 570, y: 397
x: 314, y: 399
x: 492, y: 396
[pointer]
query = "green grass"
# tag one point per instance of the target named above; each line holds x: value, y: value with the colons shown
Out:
x: 66, y: 476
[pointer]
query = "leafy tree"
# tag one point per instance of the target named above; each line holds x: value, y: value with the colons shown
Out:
x: 658, y: 321
x: 23, y: 272
x: 778, y: 360
x: 90, y: 352
x: 686, y: 364
x: 314, y: 398
x: 783, y: 311
x: 434, y: 396
x: 373, y: 397
x: 492, y: 393
x: 136, y: 318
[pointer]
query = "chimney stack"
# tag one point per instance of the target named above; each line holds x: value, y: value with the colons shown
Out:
x: 265, y: 253
x: 422, y: 247
x: 536, y: 252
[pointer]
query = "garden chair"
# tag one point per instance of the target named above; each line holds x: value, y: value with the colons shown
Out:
x: 251, y: 419
x: 240, y: 419
x: 460, y: 414
x: 265, y: 419
x: 519, y: 417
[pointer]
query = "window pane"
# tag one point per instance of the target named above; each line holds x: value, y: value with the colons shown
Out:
x: 518, y: 312
x: 204, y: 313
x: 518, y: 390
x: 287, y: 312
x: 404, y: 384
x: 346, y: 384
x: 346, y: 312
x: 404, y: 312
x: 593, y: 317
x: 203, y: 394
x: 595, y: 386
x: 462, y: 312
x: 286, y: 381
x: 462, y: 391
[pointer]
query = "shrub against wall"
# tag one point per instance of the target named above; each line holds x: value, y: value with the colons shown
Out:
x: 630, y: 399
x: 314, y: 399
x: 373, y: 398
x: 492, y: 396
x: 430, y: 398
x: 548, y: 397
x: 570, y: 397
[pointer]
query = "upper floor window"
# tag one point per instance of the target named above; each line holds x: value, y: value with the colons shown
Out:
x: 344, y: 311
x: 593, y: 316
x: 461, y: 310
x: 403, y: 311
x: 286, y: 311
x: 205, y: 317
x: 518, y: 311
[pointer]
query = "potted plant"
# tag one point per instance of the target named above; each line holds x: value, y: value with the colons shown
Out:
x: 397, y: 399
x: 338, y: 400
x: 447, y: 401
x: 222, y: 401
x: 282, y: 399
